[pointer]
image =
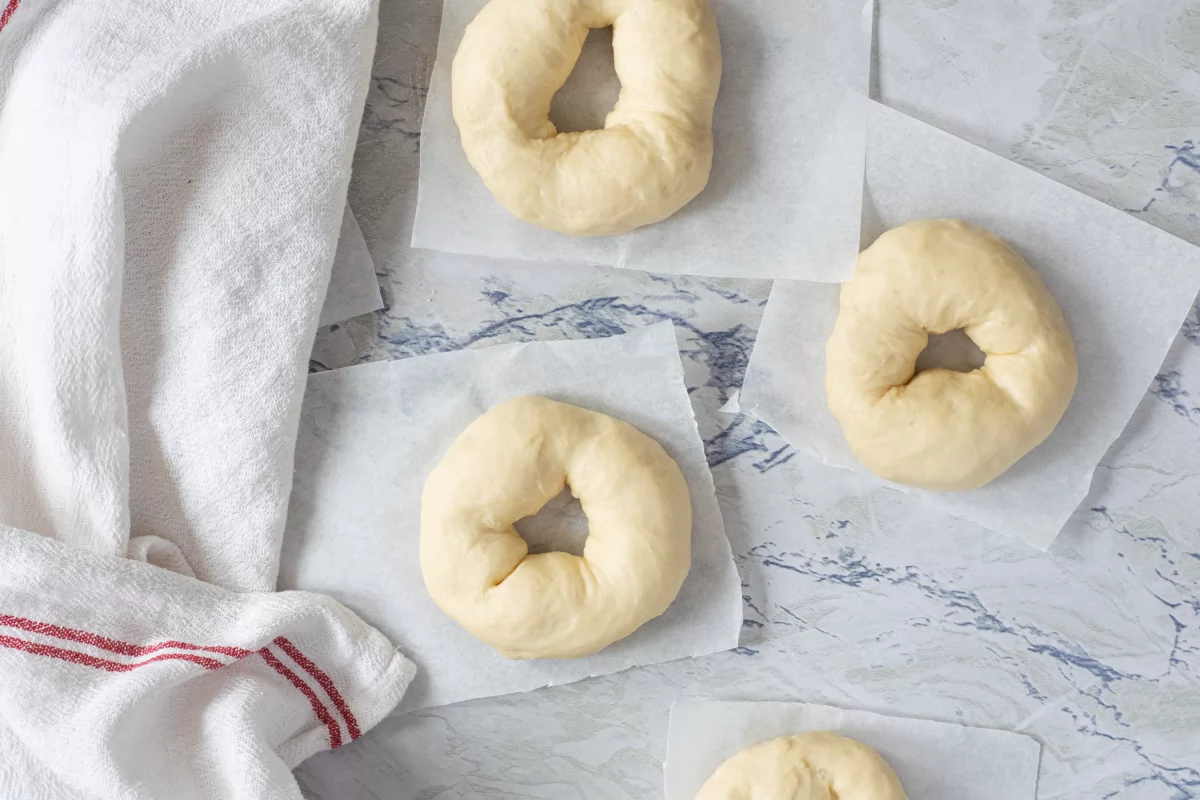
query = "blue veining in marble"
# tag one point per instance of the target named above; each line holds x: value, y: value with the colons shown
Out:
x: 1186, y: 157
x: 1168, y: 386
x: 1191, y: 326
x: 1183, y: 780
x: 1096, y: 681
x: 748, y: 435
x: 723, y: 353
x: 960, y: 608
x: 391, y: 110
x: 1030, y: 689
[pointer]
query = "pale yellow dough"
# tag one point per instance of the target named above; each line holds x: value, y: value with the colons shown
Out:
x: 946, y: 430
x: 505, y: 466
x: 655, y: 150
x: 809, y: 766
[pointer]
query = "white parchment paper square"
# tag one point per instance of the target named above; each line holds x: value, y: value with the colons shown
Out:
x: 370, y: 434
x: 1125, y: 288
x: 353, y: 288
x: 934, y: 760
x: 784, y: 195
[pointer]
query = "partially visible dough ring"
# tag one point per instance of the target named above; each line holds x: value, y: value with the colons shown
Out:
x: 946, y: 430
x: 655, y: 150
x: 809, y: 766
x: 505, y: 466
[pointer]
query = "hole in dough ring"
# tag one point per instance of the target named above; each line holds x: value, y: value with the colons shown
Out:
x: 505, y: 466
x: 808, y: 766
x: 655, y: 150
x: 946, y: 430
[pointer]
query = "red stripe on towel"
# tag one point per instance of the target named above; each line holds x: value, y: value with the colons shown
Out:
x: 83, y: 659
x: 335, y: 731
x: 112, y: 645
x: 125, y: 648
x: 324, y: 681
x: 8, y: 11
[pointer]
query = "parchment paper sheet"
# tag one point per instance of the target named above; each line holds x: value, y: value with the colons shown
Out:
x: 784, y: 196
x: 353, y: 287
x: 934, y: 760
x: 1124, y: 286
x: 370, y: 434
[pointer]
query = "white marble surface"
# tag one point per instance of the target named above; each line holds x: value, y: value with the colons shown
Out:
x: 855, y: 596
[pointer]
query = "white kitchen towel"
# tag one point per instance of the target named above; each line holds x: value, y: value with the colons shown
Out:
x: 124, y: 680
x: 172, y: 183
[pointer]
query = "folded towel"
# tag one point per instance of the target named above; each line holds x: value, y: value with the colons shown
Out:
x: 172, y: 182
x: 121, y: 679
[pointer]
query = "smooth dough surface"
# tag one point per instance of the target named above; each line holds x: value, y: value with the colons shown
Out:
x: 946, y: 430
x: 809, y: 766
x: 505, y: 466
x: 655, y: 150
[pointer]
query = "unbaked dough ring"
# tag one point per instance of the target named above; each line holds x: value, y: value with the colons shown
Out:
x: 505, y: 466
x: 809, y: 766
x: 946, y: 430
x: 655, y: 150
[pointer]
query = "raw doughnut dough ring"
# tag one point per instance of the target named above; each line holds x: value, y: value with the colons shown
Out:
x: 809, y: 766
x: 946, y: 430
x: 655, y: 150
x: 505, y: 466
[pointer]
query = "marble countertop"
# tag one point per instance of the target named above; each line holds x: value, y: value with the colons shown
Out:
x: 855, y: 596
